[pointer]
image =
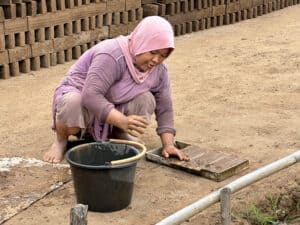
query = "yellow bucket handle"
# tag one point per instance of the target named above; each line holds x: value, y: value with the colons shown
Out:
x: 137, y: 145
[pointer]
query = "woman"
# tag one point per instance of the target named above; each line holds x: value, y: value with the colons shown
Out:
x: 114, y: 87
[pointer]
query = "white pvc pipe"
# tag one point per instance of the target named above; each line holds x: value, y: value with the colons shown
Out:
x: 196, y: 207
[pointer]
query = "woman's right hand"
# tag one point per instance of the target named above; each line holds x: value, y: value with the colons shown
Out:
x: 135, y: 125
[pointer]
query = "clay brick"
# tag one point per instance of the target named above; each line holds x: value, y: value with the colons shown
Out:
x: 51, y: 5
x: 35, y: 63
x: 2, y: 37
x: 76, y: 26
x: 131, y: 15
x: 214, y: 21
x: 30, y: 37
x: 250, y: 13
x: 42, y: 48
x: 257, y: 2
x: 99, y: 19
x: 61, y: 57
x: 182, y: 29
x: 39, y: 35
x: 132, y: 4
x: 116, y: 30
x: 68, y: 30
x: 259, y: 10
x: 10, y: 41
x: 61, y: 5
x: 21, y: 10
x: 45, y: 60
x: 58, y: 31
x: 20, y: 39
x: 115, y: 5
x: 83, y: 47
x: 124, y: 18
x: 189, y: 27
x: 150, y: 10
x: 116, y: 18
x: 195, y: 25
x: 85, y: 24
x: 9, y: 2
x: 166, y: 1
x: 86, y: 11
x: 107, y: 19
x: 10, y: 11
x: 76, y: 52
x: 53, y: 59
x: 4, y: 71
x: 232, y: 7
x: 49, y: 33
x: 41, y: 6
x: 2, y: 17
x: 218, y: 10
x: 68, y: 55
x: 14, y: 69
x: 254, y: 12
x: 15, y: 25
x: 144, y: 2
x: 208, y: 23
x: 4, y: 57
x: 161, y: 9
x: 44, y: 20
x: 92, y: 21
x: 226, y: 19
x: 70, y: 4
x: 19, y: 53
x: 198, y: 4
x: 202, y: 24
x: 78, y: 2
x: 245, y: 4
x: 220, y: 20
x: 184, y: 6
x: 24, y: 66
x: 191, y: 5
x: 170, y: 9
x: 31, y: 8
x: 60, y: 44
x: 139, y: 13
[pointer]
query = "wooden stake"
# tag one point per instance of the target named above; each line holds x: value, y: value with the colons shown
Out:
x: 78, y: 215
x: 225, y: 206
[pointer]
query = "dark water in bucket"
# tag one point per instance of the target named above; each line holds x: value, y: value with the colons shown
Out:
x: 101, y: 186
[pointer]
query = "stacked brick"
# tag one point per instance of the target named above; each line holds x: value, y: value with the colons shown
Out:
x: 192, y: 15
x: 43, y: 33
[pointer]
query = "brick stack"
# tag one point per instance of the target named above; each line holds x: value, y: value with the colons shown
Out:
x: 192, y: 15
x: 43, y: 33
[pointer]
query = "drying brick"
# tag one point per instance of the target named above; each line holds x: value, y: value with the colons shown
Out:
x: 245, y: 4
x: 116, y: 30
x: 150, y: 10
x: 48, y: 19
x: 4, y: 57
x: 218, y: 10
x: 233, y: 7
x: 42, y: 48
x: 19, y: 53
x: 115, y: 5
x: 15, y: 25
x: 132, y: 4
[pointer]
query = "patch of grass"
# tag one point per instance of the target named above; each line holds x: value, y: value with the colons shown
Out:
x: 256, y: 217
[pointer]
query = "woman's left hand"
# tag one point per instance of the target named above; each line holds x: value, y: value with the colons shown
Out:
x: 171, y: 150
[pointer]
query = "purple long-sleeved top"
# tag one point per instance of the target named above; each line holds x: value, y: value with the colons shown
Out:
x: 104, y: 81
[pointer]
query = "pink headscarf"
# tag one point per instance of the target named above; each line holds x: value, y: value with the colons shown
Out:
x: 152, y: 33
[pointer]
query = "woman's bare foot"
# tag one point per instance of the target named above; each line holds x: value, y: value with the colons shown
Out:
x: 56, y: 152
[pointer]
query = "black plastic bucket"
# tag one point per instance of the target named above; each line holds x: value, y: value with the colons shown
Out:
x: 98, y: 184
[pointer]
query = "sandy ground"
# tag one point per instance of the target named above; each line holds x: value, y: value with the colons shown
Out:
x: 236, y: 88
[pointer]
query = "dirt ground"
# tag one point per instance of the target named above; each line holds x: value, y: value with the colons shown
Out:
x: 236, y: 89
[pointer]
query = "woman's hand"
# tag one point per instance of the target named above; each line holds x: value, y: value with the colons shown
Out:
x: 135, y: 125
x: 171, y: 150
